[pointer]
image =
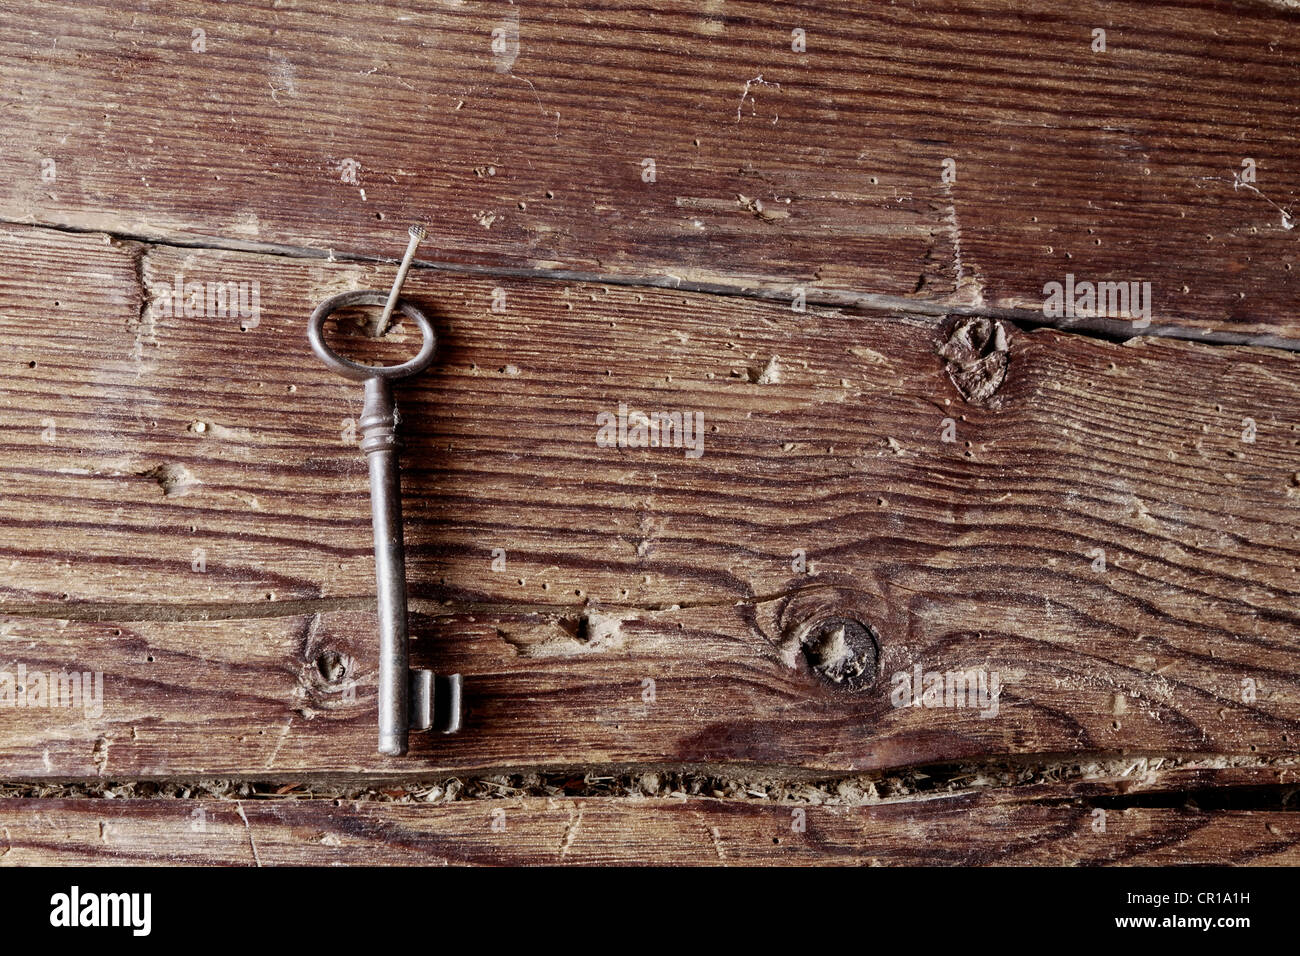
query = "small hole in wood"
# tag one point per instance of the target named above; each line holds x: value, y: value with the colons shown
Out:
x: 331, y: 666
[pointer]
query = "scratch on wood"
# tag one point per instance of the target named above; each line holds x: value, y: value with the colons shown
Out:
x: 239, y: 807
x: 745, y: 94
x: 1288, y: 222
x: 571, y: 833
x: 539, y: 103
x: 716, y: 836
x: 973, y: 283
x: 275, y: 751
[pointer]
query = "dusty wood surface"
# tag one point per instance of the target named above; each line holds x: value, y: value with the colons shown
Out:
x: 1111, y: 528
x: 773, y: 168
x: 658, y: 832
x: 631, y: 573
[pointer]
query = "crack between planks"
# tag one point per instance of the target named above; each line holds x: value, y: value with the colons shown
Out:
x: 1105, y: 780
x: 1111, y: 330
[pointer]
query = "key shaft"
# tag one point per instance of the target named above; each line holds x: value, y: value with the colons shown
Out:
x: 378, y: 427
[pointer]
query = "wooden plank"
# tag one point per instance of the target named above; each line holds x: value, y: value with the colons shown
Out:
x: 710, y: 687
x: 824, y: 433
x: 672, y: 832
x: 774, y: 169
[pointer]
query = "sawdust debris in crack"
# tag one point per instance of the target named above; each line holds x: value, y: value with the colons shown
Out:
x: 976, y: 354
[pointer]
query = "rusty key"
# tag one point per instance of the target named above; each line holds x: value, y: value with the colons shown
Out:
x: 408, y: 699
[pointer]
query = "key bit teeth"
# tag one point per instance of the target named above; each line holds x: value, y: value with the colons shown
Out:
x: 421, y: 699
x: 435, y: 701
x: 446, y: 699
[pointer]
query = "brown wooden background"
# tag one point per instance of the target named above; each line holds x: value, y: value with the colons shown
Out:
x: 184, y: 513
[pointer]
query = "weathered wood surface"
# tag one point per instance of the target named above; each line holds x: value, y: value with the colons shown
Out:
x: 773, y: 168
x: 136, y: 439
x: 956, y: 832
x: 1111, y: 529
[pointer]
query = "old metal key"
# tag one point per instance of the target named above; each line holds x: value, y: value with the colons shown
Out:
x: 408, y: 699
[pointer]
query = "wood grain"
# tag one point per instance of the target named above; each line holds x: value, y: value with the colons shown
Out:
x: 774, y: 169
x: 824, y: 433
x: 625, y: 201
x: 608, y: 832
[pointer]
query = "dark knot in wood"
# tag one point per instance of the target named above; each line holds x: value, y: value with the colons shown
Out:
x: 975, y: 356
x: 841, y: 650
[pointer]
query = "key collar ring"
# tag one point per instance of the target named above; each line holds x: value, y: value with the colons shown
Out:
x: 355, y: 370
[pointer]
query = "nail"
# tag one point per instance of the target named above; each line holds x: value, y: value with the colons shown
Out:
x: 381, y: 326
